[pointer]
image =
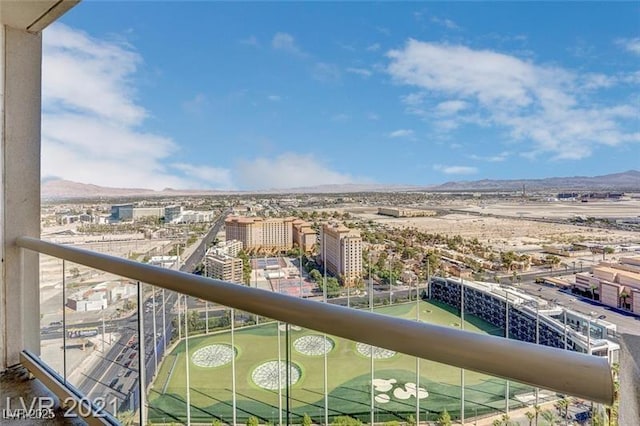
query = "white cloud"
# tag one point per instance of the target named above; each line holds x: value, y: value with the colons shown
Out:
x: 630, y: 44
x: 341, y: 118
x: 274, y: 98
x: 91, y: 121
x: 289, y: 170
x: 250, y: 41
x: 498, y: 158
x: 89, y: 76
x: 373, y: 116
x: 325, y: 72
x: 444, y: 22
x: 547, y: 106
x: 360, y: 71
x: 215, y: 177
x: 401, y: 133
x: 286, y: 42
x: 451, y: 107
x: 373, y: 47
x: 455, y: 170
x: 196, y: 104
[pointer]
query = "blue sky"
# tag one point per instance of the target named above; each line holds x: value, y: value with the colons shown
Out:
x: 276, y: 95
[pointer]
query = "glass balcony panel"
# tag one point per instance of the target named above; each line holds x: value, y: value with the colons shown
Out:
x: 101, y: 338
x: 52, y: 312
x: 227, y: 365
x: 231, y: 368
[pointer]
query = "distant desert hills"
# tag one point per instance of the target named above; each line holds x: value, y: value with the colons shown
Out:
x: 625, y: 181
x: 53, y: 189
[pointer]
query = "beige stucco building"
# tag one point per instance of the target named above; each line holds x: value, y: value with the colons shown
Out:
x: 615, y: 284
x: 259, y: 234
x: 304, y: 236
x: 403, y: 212
x: 341, y: 252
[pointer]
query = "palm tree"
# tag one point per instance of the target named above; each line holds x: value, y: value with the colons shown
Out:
x: 530, y: 417
x: 623, y: 297
x: 537, y: 410
x: 563, y: 407
x: 550, y: 417
x: 126, y: 418
x: 593, y: 288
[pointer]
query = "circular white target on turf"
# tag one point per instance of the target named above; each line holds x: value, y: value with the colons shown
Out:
x: 313, y: 345
x: 266, y: 375
x: 378, y: 353
x: 213, y: 355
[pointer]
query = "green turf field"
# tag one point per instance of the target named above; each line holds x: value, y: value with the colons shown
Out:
x: 348, y: 378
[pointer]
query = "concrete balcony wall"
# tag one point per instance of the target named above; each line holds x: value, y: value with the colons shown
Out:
x: 629, y: 411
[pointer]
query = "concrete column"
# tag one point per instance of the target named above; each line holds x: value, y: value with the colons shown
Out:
x: 20, y: 110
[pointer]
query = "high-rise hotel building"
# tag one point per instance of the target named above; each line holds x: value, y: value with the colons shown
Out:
x: 261, y: 234
x: 341, y: 251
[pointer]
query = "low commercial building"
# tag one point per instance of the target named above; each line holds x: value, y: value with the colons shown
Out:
x: 123, y: 212
x: 171, y: 213
x: 404, y: 212
x: 191, y: 216
x: 142, y: 212
x: 88, y: 301
x: 613, y: 284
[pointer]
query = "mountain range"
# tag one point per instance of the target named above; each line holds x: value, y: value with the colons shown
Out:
x: 55, y: 189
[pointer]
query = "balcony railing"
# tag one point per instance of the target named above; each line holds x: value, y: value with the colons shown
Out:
x: 146, y: 360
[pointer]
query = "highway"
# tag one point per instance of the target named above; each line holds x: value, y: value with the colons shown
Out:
x: 115, y: 375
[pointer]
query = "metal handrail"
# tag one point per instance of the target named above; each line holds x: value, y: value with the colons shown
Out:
x: 563, y: 371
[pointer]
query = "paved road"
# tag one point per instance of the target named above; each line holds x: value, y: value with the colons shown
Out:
x: 115, y: 375
x: 198, y: 253
x: 626, y: 323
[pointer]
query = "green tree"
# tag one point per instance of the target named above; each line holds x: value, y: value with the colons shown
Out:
x: 346, y: 421
x: 333, y: 287
x: 126, y: 418
x: 411, y: 421
x: 194, y: 322
x: 306, y: 420
x: 552, y: 261
x: 253, y: 421
x: 216, y: 422
x: 246, y: 267
x: 444, y: 419
x: 315, y: 275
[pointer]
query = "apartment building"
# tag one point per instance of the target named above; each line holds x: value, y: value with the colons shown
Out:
x: 341, y: 252
x: 261, y: 235
x: 614, y: 284
x: 224, y: 267
x: 304, y: 236
x: 230, y: 248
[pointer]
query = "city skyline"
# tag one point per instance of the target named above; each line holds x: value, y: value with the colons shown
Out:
x: 260, y: 96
